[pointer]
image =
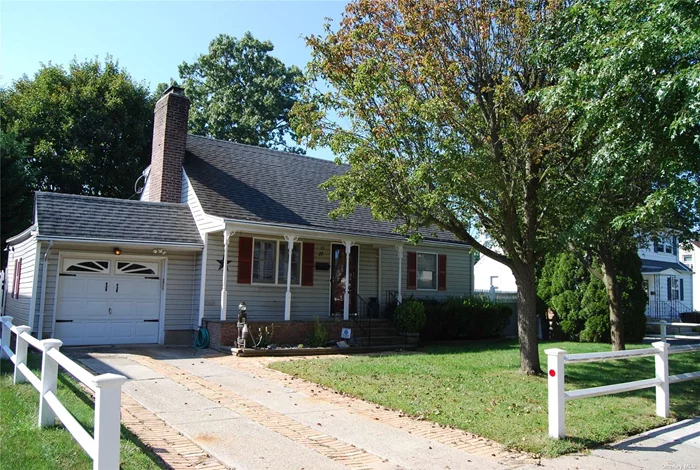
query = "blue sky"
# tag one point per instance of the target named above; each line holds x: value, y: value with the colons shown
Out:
x: 150, y: 39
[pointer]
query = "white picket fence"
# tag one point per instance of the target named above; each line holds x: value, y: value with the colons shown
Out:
x: 104, y: 447
x: 557, y: 396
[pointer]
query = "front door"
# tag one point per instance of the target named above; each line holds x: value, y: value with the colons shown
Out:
x: 338, y: 278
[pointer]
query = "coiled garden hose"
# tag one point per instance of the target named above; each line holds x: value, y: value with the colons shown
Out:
x: 201, y: 339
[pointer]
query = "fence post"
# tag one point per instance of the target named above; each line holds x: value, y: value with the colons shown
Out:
x: 20, y: 353
x: 662, y: 392
x: 107, y: 421
x: 662, y: 330
x: 49, y: 377
x: 5, y: 340
x: 555, y: 392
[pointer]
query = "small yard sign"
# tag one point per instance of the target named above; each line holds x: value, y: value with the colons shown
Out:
x: 346, y: 333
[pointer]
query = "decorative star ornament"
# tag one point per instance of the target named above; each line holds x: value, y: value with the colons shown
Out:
x: 221, y: 263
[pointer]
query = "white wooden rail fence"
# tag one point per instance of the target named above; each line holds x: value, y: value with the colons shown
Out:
x: 557, y: 396
x: 663, y: 329
x: 104, y: 447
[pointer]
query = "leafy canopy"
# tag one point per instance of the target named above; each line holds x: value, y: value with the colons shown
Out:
x: 241, y: 93
x: 87, y: 129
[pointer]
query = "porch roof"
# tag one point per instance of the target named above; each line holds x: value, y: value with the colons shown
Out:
x: 254, y: 184
x: 654, y: 267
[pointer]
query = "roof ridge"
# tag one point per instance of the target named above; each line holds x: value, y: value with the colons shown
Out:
x: 270, y: 150
x: 102, y: 198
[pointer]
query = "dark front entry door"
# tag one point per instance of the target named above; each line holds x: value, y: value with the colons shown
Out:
x: 338, y: 278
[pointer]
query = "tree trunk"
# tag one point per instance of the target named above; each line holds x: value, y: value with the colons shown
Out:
x: 527, y: 319
x: 612, y: 288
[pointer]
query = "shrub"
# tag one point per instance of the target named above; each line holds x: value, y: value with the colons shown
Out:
x: 318, y: 337
x: 581, y: 302
x: 264, y: 336
x: 409, y: 316
x: 464, y: 318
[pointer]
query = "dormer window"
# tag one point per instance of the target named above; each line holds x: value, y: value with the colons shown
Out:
x: 666, y: 245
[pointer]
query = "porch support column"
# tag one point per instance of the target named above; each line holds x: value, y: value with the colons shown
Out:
x: 399, y: 250
x: 346, y: 299
x: 288, y: 297
x: 224, y: 276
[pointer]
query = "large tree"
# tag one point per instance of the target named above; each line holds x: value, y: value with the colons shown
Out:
x: 18, y: 179
x: 629, y: 72
x: 442, y: 126
x: 87, y: 129
x: 241, y: 93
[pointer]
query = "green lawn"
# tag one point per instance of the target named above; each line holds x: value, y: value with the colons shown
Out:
x: 478, y: 388
x: 24, y: 445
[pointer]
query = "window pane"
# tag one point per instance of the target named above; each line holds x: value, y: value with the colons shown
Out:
x: 425, y: 273
x: 296, y: 265
x: 264, y: 261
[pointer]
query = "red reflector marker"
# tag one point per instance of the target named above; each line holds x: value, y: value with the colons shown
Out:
x: 552, y: 373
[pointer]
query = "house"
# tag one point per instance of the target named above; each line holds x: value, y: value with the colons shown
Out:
x: 691, y: 258
x: 667, y: 281
x: 218, y: 223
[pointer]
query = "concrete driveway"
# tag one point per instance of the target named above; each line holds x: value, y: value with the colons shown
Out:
x: 248, y: 416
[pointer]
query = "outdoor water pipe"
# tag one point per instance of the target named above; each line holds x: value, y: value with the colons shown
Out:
x: 40, y: 331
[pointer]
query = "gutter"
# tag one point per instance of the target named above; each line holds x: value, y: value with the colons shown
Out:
x: 44, y: 271
x: 144, y: 243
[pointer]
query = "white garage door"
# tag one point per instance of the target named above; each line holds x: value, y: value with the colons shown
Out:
x: 108, y: 301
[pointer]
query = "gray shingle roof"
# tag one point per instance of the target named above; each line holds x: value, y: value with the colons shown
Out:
x: 118, y: 220
x: 653, y: 266
x: 248, y: 183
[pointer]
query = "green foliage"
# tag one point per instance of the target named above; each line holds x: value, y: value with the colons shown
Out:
x: 18, y: 179
x: 581, y: 301
x: 409, y: 316
x: 264, y: 336
x: 85, y: 130
x: 318, y: 337
x: 464, y: 318
x: 241, y: 93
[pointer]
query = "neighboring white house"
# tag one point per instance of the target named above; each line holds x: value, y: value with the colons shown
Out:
x: 691, y: 258
x: 668, y: 282
x: 490, y: 273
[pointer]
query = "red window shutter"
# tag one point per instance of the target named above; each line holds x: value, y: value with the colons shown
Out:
x: 307, y: 264
x: 442, y: 272
x: 245, y: 260
x: 411, y: 270
x: 19, y: 278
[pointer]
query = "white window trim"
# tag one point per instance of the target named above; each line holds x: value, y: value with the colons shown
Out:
x: 437, y: 283
x: 277, y: 263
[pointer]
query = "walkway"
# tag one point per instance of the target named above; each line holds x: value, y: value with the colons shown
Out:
x: 212, y: 411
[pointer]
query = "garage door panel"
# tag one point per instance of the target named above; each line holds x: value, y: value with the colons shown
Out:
x: 104, y: 308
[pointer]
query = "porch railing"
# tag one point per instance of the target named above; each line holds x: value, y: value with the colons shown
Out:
x: 391, y: 301
x: 362, y: 317
x: 666, y: 309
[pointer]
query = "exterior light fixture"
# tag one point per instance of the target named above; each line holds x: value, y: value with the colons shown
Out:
x: 158, y: 251
x: 117, y: 251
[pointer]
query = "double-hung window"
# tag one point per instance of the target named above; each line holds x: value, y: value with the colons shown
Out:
x: 284, y: 258
x: 270, y: 260
x: 426, y: 271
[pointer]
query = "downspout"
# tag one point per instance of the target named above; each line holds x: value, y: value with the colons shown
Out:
x: 44, y: 272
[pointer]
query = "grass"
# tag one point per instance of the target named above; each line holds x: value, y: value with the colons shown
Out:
x: 24, y: 445
x: 479, y: 389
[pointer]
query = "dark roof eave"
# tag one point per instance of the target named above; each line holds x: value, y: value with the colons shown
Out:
x: 119, y: 241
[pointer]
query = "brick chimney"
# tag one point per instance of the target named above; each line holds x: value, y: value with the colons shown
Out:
x: 169, y: 138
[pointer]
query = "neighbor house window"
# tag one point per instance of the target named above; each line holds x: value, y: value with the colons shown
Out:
x: 264, y: 252
x: 494, y: 281
x: 296, y: 265
x: 426, y: 271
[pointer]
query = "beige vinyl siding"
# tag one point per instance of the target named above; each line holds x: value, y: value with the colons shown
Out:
x: 19, y: 308
x: 266, y: 302
x: 459, y: 271
x: 205, y: 223
x: 181, y: 308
